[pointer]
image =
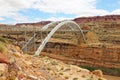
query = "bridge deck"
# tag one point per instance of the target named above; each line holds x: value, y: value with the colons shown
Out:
x: 21, y: 30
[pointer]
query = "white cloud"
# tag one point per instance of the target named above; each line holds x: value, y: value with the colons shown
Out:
x: 20, y: 18
x: 37, y: 20
x: 1, y: 19
x: 65, y: 6
x: 117, y: 11
x: 11, y: 8
x: 77, y: 7
x: 58, y: 18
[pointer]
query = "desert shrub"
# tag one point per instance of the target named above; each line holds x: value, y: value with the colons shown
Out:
x: 83, y: 76
x: 2, y: 47
x: 89, y: 68
x: 4, y: 40
x: 75, y: 78
x: 62, y: 68
x: 61, y: 73
x: 66, y: 77
x: 91, y: 78
x: 110, y: 71
x: 99, y: 79
x: 54, y: 63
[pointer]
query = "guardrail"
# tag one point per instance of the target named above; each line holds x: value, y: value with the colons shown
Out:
x: 19, y: 28
x: 28, y: 29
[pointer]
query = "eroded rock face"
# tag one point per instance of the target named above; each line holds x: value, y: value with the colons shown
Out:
x: 28, y: 67
x: 94, y: 56
x: 3, y: 71
x: 97, y: 18
x: 34, y: 24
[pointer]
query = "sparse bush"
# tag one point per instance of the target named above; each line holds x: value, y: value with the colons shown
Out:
x: 2, y: 44
x: 103, y: 46
x: 54, y: 63
x: 66, y: 77
x: 2, y: 47
x: 48, y: 68
x: 83, y: 76
x: 75, y: 78
x: 68, y: 69
x: 110, y: 71
x: 4, y: 40
x: 79, y: 71
x: 62, y: 68
x: 61, y: 73
x: 99, y: 79
x: 91, y: 78
x: 89, y: 68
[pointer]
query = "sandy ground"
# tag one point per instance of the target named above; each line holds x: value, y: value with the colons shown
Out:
x: 111, y: 77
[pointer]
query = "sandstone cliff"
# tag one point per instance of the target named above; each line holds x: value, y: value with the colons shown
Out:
x: 97, y: 19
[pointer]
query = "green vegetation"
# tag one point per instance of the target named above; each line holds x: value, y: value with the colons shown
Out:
x: 75, y: 78
x: 99, y: 79
x: 48, y: 68
x: 3, y: 41
x: 61, y: 73
x: 91, y: 78
x: 83, y: 76
x: 62, y: 68
x: 54, y: 63
x: 110, y: 71
x: 2, y: 47
x: 66, y: 77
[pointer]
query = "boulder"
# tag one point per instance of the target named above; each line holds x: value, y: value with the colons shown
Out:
x: 98, y: 73
x: 18, y: 49
x: 4, y: 59
x: 3, y: 71
x: 17, y: 54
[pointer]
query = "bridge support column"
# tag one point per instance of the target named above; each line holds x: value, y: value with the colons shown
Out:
x: 26, y: 48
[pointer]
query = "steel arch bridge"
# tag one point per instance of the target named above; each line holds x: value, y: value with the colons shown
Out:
x: 55, y: 26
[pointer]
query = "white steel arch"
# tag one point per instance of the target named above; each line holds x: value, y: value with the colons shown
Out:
x: 41, y: 29
x: 48, y: 25
x: 54, y: 30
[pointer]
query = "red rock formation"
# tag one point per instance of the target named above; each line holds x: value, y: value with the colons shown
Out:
x: 97, y: 18
x: 78, y: 20
x: 2, y: 24
x: 34, y: 24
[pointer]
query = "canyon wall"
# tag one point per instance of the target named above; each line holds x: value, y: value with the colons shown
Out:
x: 80, y: 20
x: 97, y: 18
x: 94, y: 56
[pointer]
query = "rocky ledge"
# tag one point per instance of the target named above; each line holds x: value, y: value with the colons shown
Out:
x: 14, y: 65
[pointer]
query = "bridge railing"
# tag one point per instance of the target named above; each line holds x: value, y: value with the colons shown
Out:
x: 9, y: 28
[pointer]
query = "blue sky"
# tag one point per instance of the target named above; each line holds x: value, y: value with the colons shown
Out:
x: 109, y: 5
x: 24, y: 11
